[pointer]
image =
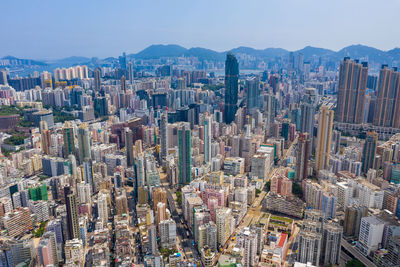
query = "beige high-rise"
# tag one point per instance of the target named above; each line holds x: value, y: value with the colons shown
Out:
x: 351, y: 92
x: 324, y: 137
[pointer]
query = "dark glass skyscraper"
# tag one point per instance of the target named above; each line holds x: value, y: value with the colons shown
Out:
x: 231, y: 87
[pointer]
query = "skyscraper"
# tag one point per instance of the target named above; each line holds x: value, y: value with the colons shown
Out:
x: 84, y: 142
x: 253, y: 92
x: 3, y: 77
x: 72, y: 213
x: 300, y: 62
x: 331, y: 243
x: 185, y: 156
x: 309, y: 247
x: 69, y: 139
x: 123, y: 84
x: 369, y: 152
x: 130, y: 72
x: 387, y: 105
x: 324, y: 137
x: 231, y: 87
x: 140, y: 174
x: 97, y: 80
x: 303, y: 153
x: 222, y: 220
x: 351, y: 93
x: 207, y: 138
x: 122, y: 61
x: 307, y: 107
x: 88, y: 173
x: 164, y: 134
x: 129, y: 147
x: 46, y: 141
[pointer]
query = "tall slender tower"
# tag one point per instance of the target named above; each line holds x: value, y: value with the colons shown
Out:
x: 303, y: 153
x: 46, y: 141
x: 164, y: 134
x: 130, y: 72
x: 72, y: 213
x: 207, y: 139
x: 253, y: 92
x: 324, y: 137
x: 185, y: 155
x: 129, y: 147
x: 387, y: 107
x: 69, y: 139
x: 369, y: 152
x: 84, y: 143
x: 97, y: 79
x: 123, y: 84
x: 231, y: 87
x: 351, y: 93
x: 88, y: 173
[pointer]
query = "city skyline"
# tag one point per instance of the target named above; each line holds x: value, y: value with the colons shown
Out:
x: 113, y: 29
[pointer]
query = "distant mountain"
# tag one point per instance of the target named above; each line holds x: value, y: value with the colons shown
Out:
x: 205, y: 54
x: 157, y: 51
x: 362, y: 52
x: 310, y: 51
x: 19, y: 61
x: 275, y: 52
x: 74, y: 60
x: 264, y: 54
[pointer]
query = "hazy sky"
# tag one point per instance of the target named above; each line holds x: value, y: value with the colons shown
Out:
x: 46, y: 29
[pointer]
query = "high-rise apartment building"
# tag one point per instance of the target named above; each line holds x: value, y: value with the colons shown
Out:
x: 123, y: 84
x: 324, y: 137
x: 371, y: 233
x: 88, y: 173
x: 303, y: 153
x: 97, y: 80
x: 331, y: 243
x: 207, y: 139
x: 369, y: 152
x: 168, y: 234
x: 387, y: 105
x: 84, y: 143
x: 231, y: 87
x: 159, y: 195
x: 164, y: 134
x: 253, y: 92
x: 130, y: 72
x: 69, y: 139
x: 46, y: 141
x: 309, y: 247
x: 223, y: 219
x: 72, y: 213
x: 352, y: 220
x: 353, y: 78
x: 129, y: 147
x: 307, y: 107
x: 185, y: 156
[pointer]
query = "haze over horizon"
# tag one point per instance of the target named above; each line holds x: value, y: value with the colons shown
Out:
x: 103, y: 29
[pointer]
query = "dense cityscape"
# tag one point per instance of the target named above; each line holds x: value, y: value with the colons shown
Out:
x: 194, y: 157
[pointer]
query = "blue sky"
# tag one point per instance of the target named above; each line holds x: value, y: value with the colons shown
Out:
x: 49, y: 29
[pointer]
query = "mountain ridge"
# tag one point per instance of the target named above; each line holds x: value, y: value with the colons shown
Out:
x: 157, y: 51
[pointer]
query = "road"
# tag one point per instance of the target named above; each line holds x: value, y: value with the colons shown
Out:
x: 188, y: 249
x: 352, y: 250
